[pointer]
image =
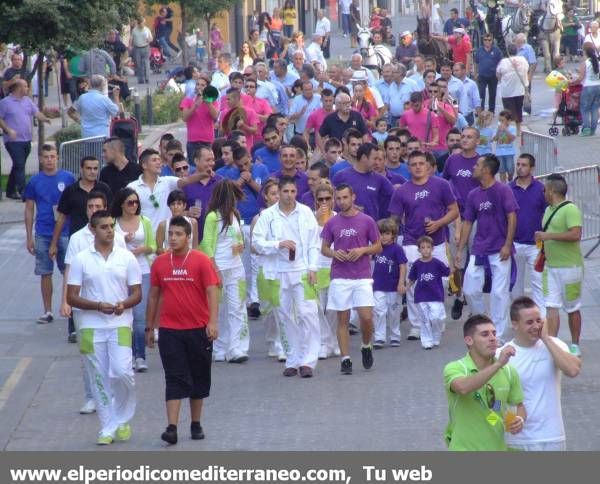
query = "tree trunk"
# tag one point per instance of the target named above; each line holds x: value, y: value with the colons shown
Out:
x: 183, y: 43
x: 40, y: 84
x: 209, y: 51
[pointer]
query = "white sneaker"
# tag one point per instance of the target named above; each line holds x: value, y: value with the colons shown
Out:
x: 414, y: 334
x: 88, y: 407
x: 323, y: 353
x: 156, y: 335
x: 281, y: 356
x: 218, y: 358
x: 140, y: 365
x: 272, y: 352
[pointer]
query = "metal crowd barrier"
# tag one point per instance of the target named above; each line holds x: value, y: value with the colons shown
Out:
x: 543, y: 148
x: 584, y: 191
x: 71, y: 152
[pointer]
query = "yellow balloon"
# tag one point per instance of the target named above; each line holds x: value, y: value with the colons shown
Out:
x: 557, y: 80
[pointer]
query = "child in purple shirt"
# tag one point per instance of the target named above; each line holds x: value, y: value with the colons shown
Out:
x: 426, y: 274
x: 389, y: 274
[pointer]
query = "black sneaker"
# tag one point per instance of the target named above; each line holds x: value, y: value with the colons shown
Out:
x: 404, y: 314
x: 352, y: 329
x: 457, y: 309
x: 254, y: 311
x: 170, y: 435
x: 367, y: 357
x: 196, y: 430
x: 378, y: 344
x: 347, y: 366
x: 72, y: 338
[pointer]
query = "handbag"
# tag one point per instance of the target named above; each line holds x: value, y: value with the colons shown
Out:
x: 540, y: 261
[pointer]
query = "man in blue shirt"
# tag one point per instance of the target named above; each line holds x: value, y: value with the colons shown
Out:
x: 455, y: 22
x: 487, y: 58
x: 41, y: 196
x: 472, y: 101
x: 400, y: 92
x: 94, y: 110
x: 525, y: 50
x: 268, y: 155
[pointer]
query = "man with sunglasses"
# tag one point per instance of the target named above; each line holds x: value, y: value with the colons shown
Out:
x: 480, y: 387
x: 181, y: 167
x: 487, y: 58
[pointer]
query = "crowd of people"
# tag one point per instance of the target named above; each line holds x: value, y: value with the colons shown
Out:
x: 327, y: 203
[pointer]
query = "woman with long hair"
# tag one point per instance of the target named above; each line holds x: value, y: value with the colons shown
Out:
x: 364, y: 107
x: 289, y: 17
x: 257, y: 44
x: 589, y: 77
x: 139, y: 239
x: 246, y: 56
x: 223, y: 242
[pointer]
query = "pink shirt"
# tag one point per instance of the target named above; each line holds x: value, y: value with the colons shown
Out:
x: 200, y: 125
x: 262, y: 107
x: 445, y: 126
x: 224, y: 105
x: 251, y: 120
x: 417, y: 123
x: 315, y: 119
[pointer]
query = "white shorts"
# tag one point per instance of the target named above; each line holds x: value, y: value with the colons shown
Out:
x: 562, y: 287
x: 345, y: 294
x: 540, y: 446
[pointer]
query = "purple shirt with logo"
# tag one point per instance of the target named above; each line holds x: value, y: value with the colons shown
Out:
x: 458, y: 170
x: 427, y: 277
x: 373, y: 191
x: 349, y: 233
x: 199, y: 191
x: 532, y: 205
x: 386, y: 268
x: 490, y: 207
x: 419, y: 202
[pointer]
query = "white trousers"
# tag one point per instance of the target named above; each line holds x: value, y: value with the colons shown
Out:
x: 298, y: 322
x: 87, y: 384
x: 327, y: 324
x: 499, y: 295
x: 234, y: 334
x: 250, y: 261
x: 525, y: 257
x: 108, y: 360
x: 432, y: 316
x: 412, y: 254
x: 388, y: 306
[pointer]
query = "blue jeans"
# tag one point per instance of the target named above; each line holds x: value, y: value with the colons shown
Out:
x: 139, y: 321
x: 590, y: 103
x: 507, y: 164
x: 18, y: 151
x: 164, y: 46
x: 44, y: 266
x: 346, y: 23
x: 288, y: 30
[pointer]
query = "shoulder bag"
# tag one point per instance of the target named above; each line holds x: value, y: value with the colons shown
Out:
x: 541, y: 258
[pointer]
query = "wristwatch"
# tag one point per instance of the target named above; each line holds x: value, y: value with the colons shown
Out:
x: 147, y: 330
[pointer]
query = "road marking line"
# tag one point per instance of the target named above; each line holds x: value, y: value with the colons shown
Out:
x: 13, y: 380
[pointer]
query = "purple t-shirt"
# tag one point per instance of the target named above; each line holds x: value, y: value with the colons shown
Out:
x: 532, y: 205
x: 199, y: 191
x: 386, y: 268
x: 373, y: 191
x: 427, y: 277
x: 308, y: 199
x: 301, y: 182
x: 419, y: 202
x: 490, y: 207
x: 349, y: 233
x: 17, y: 114
x: 394, y: 178
x: 458, y: 170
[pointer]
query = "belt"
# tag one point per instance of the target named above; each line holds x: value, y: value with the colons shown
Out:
x: 141, y: 46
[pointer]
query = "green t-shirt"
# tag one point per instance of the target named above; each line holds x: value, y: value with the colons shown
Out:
x: 473, y: 425
x: 570, y: 29
x: 558, y: 253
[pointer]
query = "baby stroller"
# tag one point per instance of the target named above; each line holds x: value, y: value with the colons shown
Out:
x: 568, y: 110
x: 156, y: 59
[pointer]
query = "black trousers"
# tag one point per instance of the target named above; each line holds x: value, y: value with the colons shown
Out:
x: 491, y: 84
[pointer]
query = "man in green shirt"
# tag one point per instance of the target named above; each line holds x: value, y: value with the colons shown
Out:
x: 480, y: 388
x: 563, y: 271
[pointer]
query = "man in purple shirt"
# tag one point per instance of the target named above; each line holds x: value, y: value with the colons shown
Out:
x: 372, y: 190
x: 458, y: 170
x: 16, y: 113
x: 355, y: 237
x: 288, y: 154
x: 427, y: 205
x: 529, y: 194
x: 493, y: 206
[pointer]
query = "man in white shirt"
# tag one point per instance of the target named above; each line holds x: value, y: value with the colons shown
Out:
x: 323, y: 28
x: 287, y: 235
x: 472, y: 100
x: 345, y: 7
x: 79, y: 241
x: 105, y: 283
x: 220, y: 78
x: 540, y: 359
x: 314, y: 53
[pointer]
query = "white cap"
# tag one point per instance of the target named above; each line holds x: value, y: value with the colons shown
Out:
x: 460, y: 30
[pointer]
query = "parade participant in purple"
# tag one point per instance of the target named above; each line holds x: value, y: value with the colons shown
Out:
x: 458, y: 170
x: 379, y: 167
x: 288, y: 156
x: 493, y: 206
x: 372, y: 190
x: 427, y: 205
x: 427, y: 274
x: 389, y: 276
x: 529, y: 194
x: 355, y: 237
x: 317, y: 173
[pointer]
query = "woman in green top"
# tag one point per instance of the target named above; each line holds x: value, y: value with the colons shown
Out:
x: 139, y: 238
x: 223, y: 242
x: 570, y: 35
x: 289, y: 18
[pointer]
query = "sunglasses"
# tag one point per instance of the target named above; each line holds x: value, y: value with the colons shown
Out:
x: 131, y: 203
x: 490, y: 396
x: 154, y: 201
x: 323, y: 199
x: 182, y: 168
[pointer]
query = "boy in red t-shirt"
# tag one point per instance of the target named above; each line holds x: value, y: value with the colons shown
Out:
x: 187, y: 283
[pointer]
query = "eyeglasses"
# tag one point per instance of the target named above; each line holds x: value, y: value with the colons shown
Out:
x: 131, y: 203
x: 154, y: 201
x: 490, y: 396
x: 323, y: 199
x: 182, y: 168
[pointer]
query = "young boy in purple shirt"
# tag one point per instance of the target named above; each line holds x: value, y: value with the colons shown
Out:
x: 389, y: 274
x: 427, y: 274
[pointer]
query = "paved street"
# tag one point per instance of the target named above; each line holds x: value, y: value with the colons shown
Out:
x: 398, y: 405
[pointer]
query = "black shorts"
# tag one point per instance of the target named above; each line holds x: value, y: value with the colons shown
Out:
x: 515, y: 106
x: 186, y: 356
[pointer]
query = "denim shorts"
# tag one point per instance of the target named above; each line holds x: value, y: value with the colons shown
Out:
x: 43, y: 264
x: 507, y: 163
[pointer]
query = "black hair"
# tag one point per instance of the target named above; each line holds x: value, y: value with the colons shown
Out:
x: 322, y: 167
x: 365, y: 150
x: 176, y: 195
x: 286, y: 180
x: 116, y: 209
x: 87, y: 158
x: 97, y: 216
x: 492, y: 163
x: 522, y: 302
x: 97, y: 194
x: 474, y: 321
x: 180, y: 221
